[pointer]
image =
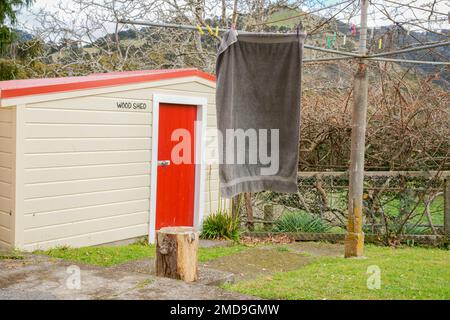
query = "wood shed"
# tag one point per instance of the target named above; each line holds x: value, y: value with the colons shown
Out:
x: 86, y: 160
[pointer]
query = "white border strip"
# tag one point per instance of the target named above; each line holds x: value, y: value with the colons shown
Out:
x: 200, y: 154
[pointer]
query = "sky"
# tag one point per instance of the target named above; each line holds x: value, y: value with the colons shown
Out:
x: 375, y: 18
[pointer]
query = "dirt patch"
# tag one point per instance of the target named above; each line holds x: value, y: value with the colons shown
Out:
x: 274, y: 239
x: 17, y: 261
x: 317, y: 249
x: 11, y: 279
x: 146, y: 266
x: 274, y: 257
x: 259, y: 261
x: 204, y: 243
x: 163, y: 288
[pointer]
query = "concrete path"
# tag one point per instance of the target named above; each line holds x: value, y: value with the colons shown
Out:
x: 39, y: 277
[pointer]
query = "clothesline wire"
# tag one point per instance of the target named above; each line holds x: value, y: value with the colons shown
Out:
x: 342, y: 53
x: 339, y: 4
x: 400, y: 26
x: 332, y: 17
x: 415, y: 7
x: 302, y: 14
x: 444, y: 63
x: 429, y: 46
x: 333, y: 58
x: 409, y: 22
x: 405, y: 22
x: 189, y: 27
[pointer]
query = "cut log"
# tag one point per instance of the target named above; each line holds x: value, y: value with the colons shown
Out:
x: 176, y: 253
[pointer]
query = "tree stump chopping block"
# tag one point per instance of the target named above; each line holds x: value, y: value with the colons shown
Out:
x: 176, y: 253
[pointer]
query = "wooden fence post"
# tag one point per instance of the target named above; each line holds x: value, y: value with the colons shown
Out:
x: 249, y: 210
x: 447, y: 207
x: 236, y: 202
x: 268, y: 216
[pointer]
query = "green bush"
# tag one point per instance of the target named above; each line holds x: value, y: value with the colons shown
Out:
x: 221, y: 225
x: 416, y: 230
x: 300, y: 222
x: 8, y: 70
x: 409, y: 229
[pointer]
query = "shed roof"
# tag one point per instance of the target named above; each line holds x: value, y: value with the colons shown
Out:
x: 26, y: 87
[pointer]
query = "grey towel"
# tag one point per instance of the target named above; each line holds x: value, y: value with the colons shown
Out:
x: 258, y: 87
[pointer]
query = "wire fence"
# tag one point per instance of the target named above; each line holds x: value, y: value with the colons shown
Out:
x: 395, y: 203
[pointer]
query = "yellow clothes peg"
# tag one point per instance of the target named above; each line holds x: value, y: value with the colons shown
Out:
x: 200, y: 30
x: 209, y: 30
x: 380, y: 43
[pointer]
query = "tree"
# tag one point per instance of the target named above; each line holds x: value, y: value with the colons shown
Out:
x: 8, y: 10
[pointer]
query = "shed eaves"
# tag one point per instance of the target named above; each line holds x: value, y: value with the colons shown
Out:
x: 26, y: 87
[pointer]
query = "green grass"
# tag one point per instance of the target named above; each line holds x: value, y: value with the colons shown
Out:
x: 282, y: 248
x: 207, y: 254
x: 299, y: 221
x: 406, y: 273
x: 102, y: 256
x: 14, y: 255
x: 109, y: 256
x: 392, y: 208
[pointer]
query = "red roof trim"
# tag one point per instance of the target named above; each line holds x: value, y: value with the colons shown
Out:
x: 20, y: 88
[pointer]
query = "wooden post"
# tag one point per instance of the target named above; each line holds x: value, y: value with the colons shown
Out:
x: 249, y: 210
x: 447, y: 207
x: 236, y: 205
x: 176, y: 253
x: 354, y: 241
x: 268, y: 216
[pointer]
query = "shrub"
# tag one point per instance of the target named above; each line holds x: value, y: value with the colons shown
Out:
x: 300, y: 222
x: 411, y: 229
x: 416, y: 230
x: 221, y: 225
x: 8, y: 70
x: 142, y: 242
x: 393, y: 229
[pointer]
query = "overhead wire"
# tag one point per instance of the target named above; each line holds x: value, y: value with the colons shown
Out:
x: 302, y: 14
x: 418, y: 8
x: 342, y: 54
x: 331, y: 18
x: 415, y: 38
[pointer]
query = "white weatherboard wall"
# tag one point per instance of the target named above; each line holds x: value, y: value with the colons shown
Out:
x: 86, y: 172
x: 86, y: 164
x: 6, y: 176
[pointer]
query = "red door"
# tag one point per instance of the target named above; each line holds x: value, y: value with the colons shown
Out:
x: 175, y: 182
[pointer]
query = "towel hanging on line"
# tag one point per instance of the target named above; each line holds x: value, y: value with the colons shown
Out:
x: 258, y: 104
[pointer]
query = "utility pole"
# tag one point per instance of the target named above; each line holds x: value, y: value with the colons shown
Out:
x: 354, y: 241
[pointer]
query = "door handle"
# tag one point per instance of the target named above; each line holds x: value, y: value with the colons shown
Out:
x: 163, y: 163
